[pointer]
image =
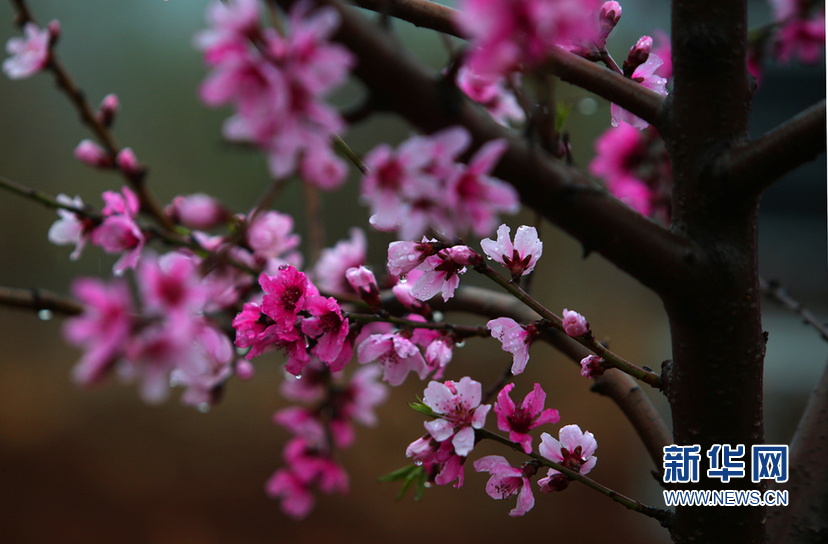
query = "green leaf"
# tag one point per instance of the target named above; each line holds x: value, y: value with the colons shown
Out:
x: 399, y: 474
x: 562, y: 113
x: 409, y: 475
x: 422, y: 408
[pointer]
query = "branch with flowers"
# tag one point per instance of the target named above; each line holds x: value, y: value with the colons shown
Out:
x: 669, y: 201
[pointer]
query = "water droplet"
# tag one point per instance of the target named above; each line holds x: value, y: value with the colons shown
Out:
x: 403, y: 279
x: 203, y: 407
x: 117, y: 273
x: 427, y: 485
x: 587, y: 106
x: 44, y: 314
x: 418, y: 463
x: 412, y: 257
x: 437, y: 316
x: 460, y: 344
x: 299, y: 377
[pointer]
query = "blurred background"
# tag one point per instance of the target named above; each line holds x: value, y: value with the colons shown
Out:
x: 99, y: 466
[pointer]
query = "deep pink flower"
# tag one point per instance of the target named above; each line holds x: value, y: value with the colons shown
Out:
x: 295, y: 495
x: 617, y: 152
x: 91, y: 154
x: 30, y: 54
x: 646, y: 76
x: 506, y: 481
x: 254, y: 330
x: 608, y: 17
x: 120, y: 233
x: 575, y: 450
x: 285, y: 295
x: 102, y: 330
x: 663, y: 49
x: 574, y: 324
x: 396, y: 354
x: 519, y: 420
x: 634, y: 193
x: 458, y: 404
x: 70, y: 229
x: 519, y: 258
x: 804, y: 38
x: 326, y: 325
x: 329, y: 272
x: 515, y: 338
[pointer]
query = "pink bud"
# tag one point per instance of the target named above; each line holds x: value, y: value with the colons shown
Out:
x: 638, y: 55
x: 127, y: 161
x: 592, y: 366
x: 364, y: 283
x: 608, y: 17
x: 197, y: 211
x: 54, y: 31
x: 464, y: 255
x: 107, y: 110
x: 91, y: 154
x: 574, y: 324
x: 244, y: 370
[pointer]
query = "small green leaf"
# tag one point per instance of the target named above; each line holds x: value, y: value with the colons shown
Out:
x: 399, y: 474
x: 562, y: 113
x: 422, y: 408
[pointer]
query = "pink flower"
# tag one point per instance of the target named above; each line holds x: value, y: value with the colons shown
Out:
x: 285, y: 295
x: 804, y: 38
x: 322, y: 168
x: 103, y: 328
x: 329, y: 272
x: 297, y: 501
x: 634, y: 193
x: 458, y: 404
x: 154, y: 353
x: 120, y: 233
x: 127, y: 162
x: 645, y: 75
x: 617, y: 151
x: 231, y: 23
x: 403, y: 257
x: 515, y: 338
x: 30, y: 54
x: 574, y: 324
x: 638, y: 55
x: 396, y: 354
x: 270, y: 235
x: 519, y: 258
x: 663, y: 50
x: 608, y: 17
x: 439, y: 458
x: 362, y: 395
x: 91, y: 154
x: 441, y: 273
x: 519, y: 420
x: 490, y: 91
x: 509, y: 35
x: 197, y: 211
x: 207, y: 368
x: 70, y: 228
x: 574, y: 451
x: 171, y: 283
x: 254, y: 330
x: 475, y: 196
x: 506, y: 481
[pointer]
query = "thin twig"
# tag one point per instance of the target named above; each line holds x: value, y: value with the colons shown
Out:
x: 39, y: 299
x: 775, y: 291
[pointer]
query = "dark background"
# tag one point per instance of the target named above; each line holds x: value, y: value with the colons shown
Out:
x: 99, y: 466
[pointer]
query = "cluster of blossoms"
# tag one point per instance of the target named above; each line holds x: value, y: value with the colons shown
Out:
x: 321, y: 426
x: 420, y: 185
x: 635, y: 167
x: 169, y: 341
x: 801, y: 30
x: 277, y: 84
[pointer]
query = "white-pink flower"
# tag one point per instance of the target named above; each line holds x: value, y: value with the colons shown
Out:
x: 70, y: 229
x: 515, y: 338
x: 644, y: 74
x: 506, y: 481
x: 519, y: 258
x: 460, y: 411
x: 490, y: 91
x: 396, y: 354
x: 29, y: 54
x: 441, y: 273
x: 333, y: 263
x: 575, y: 450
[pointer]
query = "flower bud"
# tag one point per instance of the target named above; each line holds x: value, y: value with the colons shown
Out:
x: 574, y: 324
x: 54, y: 31
x: 638, y: 55
x: 197, y: 211
x: 127, y: 161
x: 592, y: 366
x: 364, y: 283
x: 91, y: 154
x: 608, y: 17
x: 107, y: 110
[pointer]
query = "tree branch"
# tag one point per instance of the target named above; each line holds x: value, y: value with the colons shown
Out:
x: 755, y: 166
x: 805, y: 519
x: 775, y: 291
x: 616, y: 385
x: 39, y: 299
x: 569, y: 67
x: 562, y: 194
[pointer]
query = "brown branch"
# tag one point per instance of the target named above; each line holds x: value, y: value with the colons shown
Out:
x: 755, y: 166
x: 39, y: 299
x: 564, y: 195
x: 804, y: 519
x: 774, y: 290
x: 64, y: 82
x: 569, y: 67
x: 616, y: 385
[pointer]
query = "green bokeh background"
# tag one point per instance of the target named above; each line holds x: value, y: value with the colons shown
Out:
x: 100, y: 466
